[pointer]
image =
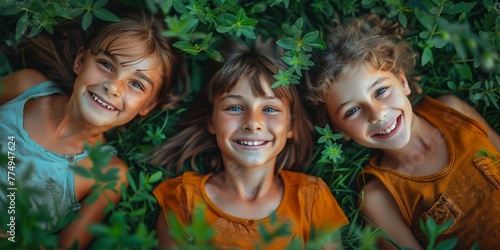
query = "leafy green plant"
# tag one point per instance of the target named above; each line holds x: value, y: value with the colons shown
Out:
x: 433, y: 230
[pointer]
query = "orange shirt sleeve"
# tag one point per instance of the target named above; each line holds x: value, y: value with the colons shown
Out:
x: 326, y: 212
x: 171, y: 196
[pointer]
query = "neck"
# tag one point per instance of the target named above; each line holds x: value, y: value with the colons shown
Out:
x: 249, y: 184
x: 70, y: 127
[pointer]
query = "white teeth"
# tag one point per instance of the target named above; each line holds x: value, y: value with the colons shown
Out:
x: 102, y: 103
x: 251, y: 143
x: 387, y: 131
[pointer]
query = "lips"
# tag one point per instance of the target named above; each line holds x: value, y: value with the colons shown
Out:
x: 102, y: 103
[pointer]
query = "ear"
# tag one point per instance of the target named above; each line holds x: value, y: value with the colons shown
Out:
x: 77, y: 64
x: 145, y: 111
x: 404, y: 82
x: 210, y: 126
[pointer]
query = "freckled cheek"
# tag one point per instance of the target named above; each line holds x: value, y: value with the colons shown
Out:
x: 225, y: 123
x: 278, y: 124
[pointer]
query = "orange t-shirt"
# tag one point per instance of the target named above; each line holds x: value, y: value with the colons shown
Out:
x: 467, y: 190
x: 307, y: 203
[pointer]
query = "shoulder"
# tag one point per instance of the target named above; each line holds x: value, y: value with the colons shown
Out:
x: 299, y: 178
x: 28, y: 77
x: 450, y: 101
x: 16, y: 83
x: 177, y: 185
x: 455, y: 103
x: 305, y: 185
x: 178, y: 191
x: 376, y: 198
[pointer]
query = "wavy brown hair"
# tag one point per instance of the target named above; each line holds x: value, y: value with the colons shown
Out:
x: 194, y: 140
x: 364, y: 40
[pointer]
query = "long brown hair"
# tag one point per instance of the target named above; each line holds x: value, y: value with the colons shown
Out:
x: 194, y: 139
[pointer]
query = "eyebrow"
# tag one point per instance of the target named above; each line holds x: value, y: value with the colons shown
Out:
x: 145, y: 78
x: 375, y: 83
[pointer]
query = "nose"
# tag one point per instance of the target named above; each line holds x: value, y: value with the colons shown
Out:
x: 253, y: 121
x: 378, y: 113
x: 114, y: 87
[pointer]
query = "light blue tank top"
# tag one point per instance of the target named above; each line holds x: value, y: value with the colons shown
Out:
x: 47, y: 177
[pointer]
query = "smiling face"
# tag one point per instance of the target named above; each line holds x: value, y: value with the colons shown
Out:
x: 250, y: 130
x: 114, y: 86
x: 371, y: 107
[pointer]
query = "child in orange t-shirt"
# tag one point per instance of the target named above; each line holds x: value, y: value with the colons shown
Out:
x: 432, y: 161
x: 253, y: 135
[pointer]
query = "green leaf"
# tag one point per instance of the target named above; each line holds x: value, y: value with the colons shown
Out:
x: 452, y: 85
x: 155, y: 177
x: 86, y: 20
x: 214, y: 54
x: 187, y: 47
x: 105, y: 15
x: 179, y: 6
x: 131, y: 182
x: 138, y: 212
x: 82, y: 171
x: 477, y: 96
x: 21, y: 26
x: 425, y: 19
x: 287, y: 43
x: 403, y: 20
x: 248, y: 32
x: 426, y: 56
x: 447, y: 244
x: 459, y: 8
x: 99, y: 4
x: 249, y: 22
x: 92, y: 198
x: 464, y: 71
x: 311, y: 36
x: 223, y: 29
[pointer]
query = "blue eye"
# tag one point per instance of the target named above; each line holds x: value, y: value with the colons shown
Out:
x: 137, y: 85
x: 105, y: 65
x: 380, y: 91
x: 234, y: 108
x: 269, y: 109
x: 350, y: 112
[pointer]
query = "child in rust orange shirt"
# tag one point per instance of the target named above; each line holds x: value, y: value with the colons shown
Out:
x: 255, y: 135
x: 438, y: 160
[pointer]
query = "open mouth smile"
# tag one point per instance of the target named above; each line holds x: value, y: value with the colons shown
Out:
x: 251, y: 143
x: 101, y: 102
x: 389, y: 129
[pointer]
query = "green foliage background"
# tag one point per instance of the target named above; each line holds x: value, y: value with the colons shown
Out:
x: 458, y: 43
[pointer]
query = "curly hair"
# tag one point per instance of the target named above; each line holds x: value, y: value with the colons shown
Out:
x: 369, y: 40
